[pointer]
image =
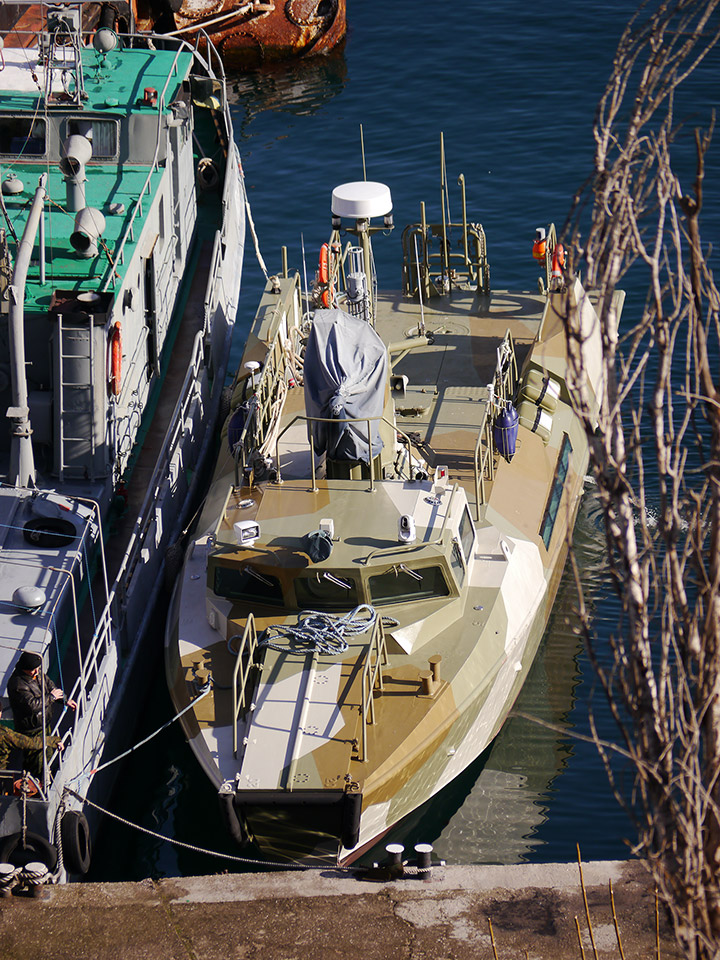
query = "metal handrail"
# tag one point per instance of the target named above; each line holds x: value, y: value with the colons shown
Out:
x: 259, y: 423
x: 484, y: 467
x: 243, y: 666
x: 111, y: 272
x: 503, y: 387
x: 188, y: 393
x: 372, y: 678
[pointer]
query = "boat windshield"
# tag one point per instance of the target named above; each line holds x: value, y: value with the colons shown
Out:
x: 402, y: 583
x: 246, y: 583
x: 325, y: 589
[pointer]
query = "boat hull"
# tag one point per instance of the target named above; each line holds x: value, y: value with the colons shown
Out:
x: 135, y: 388
x: 375, y: 571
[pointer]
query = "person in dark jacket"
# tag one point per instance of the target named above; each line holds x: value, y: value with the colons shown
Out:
x: 27, y: 690
x: 32, y: 748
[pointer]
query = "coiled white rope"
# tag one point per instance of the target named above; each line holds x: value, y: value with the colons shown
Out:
x: 321, y: 632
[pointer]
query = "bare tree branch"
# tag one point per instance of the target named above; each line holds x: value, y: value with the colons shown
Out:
x: 655, y: 442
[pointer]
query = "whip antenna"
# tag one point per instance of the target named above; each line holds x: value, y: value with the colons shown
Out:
x: 362, y: 151
x: 307, y: 297
x: 421, y: 325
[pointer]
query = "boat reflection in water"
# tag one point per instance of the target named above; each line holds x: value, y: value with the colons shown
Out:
x: 299, y: 88
x: 496, y: 810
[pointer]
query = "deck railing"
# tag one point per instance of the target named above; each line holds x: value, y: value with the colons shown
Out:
x: 503, y: 389
x: 244, y: 663
x: 280, y: 365
x: 375, y: 658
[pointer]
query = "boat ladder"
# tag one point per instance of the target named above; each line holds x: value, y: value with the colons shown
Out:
x: 75, y: 362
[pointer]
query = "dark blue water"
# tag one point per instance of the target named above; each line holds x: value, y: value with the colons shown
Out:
x: 513, y: 86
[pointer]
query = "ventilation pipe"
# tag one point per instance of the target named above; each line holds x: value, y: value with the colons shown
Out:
x: 77, y: 151
x: 22, y: 464
x: 89, y: 225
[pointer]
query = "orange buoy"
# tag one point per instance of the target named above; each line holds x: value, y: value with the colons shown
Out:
x: 540, y: 244
x: 558, y: 261
x: 115, y: 359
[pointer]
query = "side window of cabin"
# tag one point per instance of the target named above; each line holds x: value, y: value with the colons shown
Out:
x: 103, y: 134
x: 324, y: 590
x: 467, y: 534
x: 456, y: 562
x: 402, y: 583
x: 22, y: 137
x: 239, y: 583
x: 556, y: 491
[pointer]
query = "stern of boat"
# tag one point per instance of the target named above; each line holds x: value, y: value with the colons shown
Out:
x: 299, y: 826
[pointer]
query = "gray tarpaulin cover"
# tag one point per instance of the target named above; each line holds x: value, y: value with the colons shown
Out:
x: 345, y: 370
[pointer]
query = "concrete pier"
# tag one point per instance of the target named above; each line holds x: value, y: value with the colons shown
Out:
x: 332, y: 914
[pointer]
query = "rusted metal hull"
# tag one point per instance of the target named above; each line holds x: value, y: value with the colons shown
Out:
x: 249, y: 33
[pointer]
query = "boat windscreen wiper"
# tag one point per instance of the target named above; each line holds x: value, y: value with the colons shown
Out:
x: 336, y: 580
x: 401, y: 568
x: 258, y: 576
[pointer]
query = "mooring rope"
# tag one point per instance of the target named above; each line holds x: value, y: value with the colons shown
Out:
x: 89, y: 773
x: 211, y: 853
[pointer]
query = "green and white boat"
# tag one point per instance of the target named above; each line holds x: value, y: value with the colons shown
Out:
x: 122, y: 227
x: 378, y: 557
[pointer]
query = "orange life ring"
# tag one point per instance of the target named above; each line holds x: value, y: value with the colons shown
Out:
x: 328, y: 294
x: 324, y: 265
x: 115, y: 359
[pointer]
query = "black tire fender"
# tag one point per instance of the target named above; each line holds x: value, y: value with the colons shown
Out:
x: 35, y: 848
x: 76, y: 842
x: 234, y: 821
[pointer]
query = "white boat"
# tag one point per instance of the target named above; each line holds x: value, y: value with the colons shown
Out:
x: 122, y: 228
x: 378, y: 557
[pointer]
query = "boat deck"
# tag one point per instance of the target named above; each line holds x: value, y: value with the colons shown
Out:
x: 445, y: 397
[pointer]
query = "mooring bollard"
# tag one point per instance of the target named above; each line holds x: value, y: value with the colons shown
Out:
x: 423, y: 853
x: 394, y: 852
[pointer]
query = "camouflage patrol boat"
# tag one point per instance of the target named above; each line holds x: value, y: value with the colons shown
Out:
x: 122, y: 222
x: 385, y: 534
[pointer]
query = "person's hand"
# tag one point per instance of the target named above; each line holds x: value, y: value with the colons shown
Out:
x: 72, y: 704
x: 56, y: 694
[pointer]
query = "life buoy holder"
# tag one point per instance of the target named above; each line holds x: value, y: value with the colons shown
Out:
x: 76, y: 842
x: 327, y: 295
x: 115, y: 379
x: 20, y: 853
